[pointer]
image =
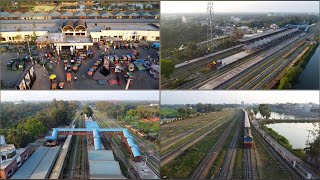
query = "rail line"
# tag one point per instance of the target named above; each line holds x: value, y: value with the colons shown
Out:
x: 201, y: 128
x: 175, y: 151
x: 283, y: 166
x: 154, y: 158
x: 202, y: 169
x: 226, y: 169
x: 249, y: 170
x: 197, y: 83
x: 186, y: 71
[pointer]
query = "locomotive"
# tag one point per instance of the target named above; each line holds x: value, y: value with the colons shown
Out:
x: 247, y: 138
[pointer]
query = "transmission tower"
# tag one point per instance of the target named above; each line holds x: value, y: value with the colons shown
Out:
x: 210, y: 25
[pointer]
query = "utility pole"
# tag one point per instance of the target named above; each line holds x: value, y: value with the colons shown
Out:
x: 30, y: 52
x: 308, y: 142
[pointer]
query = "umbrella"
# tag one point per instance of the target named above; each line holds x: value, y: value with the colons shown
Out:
x: 52, y: 76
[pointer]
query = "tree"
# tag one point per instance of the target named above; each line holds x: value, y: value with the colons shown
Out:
x: 255, y: 111
x: 34, y: 127
x: 87, y: 110
x: 265, y: 110
x: 167, y: 68
x: 191, y: 50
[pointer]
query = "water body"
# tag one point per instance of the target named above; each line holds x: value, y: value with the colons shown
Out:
x: 275, y: 115
x: 309, y: 77
x: 296, y: 133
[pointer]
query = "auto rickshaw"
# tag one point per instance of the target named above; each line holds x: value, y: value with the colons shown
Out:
x: 68, y: 77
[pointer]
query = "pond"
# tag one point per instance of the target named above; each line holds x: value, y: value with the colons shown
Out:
x: 296, y: 133
x: 275, y: 115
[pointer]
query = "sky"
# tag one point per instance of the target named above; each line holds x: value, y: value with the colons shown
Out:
x: 78, y: 95
x: 220, y: 97
x: 240, y: 6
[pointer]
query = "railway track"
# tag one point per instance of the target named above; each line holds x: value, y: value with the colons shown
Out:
x: 227, y: 168
x: 249, y: 170
x: 255, y: 79
x: 185, y: 72
x: 179, y: 138
x: 282, y: 165
x: 153, y: 160
x: 165, y: 158
x: 197, y: 83
x: 266, y: 77
x: 204, y: 167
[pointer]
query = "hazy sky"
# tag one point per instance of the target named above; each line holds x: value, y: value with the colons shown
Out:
x: 78, y: 95
x: 240, y: 6
x: 219, y: 97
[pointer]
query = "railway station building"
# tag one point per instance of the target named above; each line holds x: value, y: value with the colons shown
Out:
x: 78, y: 33
x: 11, y: 158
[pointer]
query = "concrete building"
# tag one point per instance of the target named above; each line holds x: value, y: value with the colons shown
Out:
x: 11, y: 158
x: 77, y: 33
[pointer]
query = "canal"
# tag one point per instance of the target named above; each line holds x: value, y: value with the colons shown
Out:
x: 296, y: 133
x: 309, y: 77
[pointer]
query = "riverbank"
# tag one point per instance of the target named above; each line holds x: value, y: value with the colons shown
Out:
x: 291, y: 76
x: 283, y: 141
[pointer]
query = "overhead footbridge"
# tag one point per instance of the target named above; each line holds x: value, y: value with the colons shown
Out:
x: 92, y: 129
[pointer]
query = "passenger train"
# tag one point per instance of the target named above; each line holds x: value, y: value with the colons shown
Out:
x: 247, y: 138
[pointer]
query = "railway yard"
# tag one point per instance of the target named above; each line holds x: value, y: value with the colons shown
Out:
x: 216, y: 145
x: 148, y: 149
x: 258, y: 62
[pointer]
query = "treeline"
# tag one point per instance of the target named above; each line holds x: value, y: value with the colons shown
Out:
x: 184, y: 111
x: 121, y: 110
x: 58, y: 113
x: 12, y: 114
x: 137, y: 115
x: 292, y: 75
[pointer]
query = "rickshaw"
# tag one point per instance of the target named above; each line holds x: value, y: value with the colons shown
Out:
x: 129, y: 57
x: 61, y: 85
x: 136, y: 53
x: 116, y: 58
x: 21, y: 65
x: 54, y: 85
x: 68, y: 77
x: 131, y: 67
x: 124, y: 57
x: 126, y: 45
x: 90, y: 72
x: 9, y: 64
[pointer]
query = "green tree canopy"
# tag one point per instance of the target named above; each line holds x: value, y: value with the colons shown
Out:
x: 87, y: 110
x: 265, y: 110
x: 167, y: 67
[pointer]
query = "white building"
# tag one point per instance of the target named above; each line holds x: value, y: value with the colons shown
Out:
x: 77, y: 33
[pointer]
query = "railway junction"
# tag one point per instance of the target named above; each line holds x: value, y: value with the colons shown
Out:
x: 238, y: 150
x: 257, y: 62
x: 99, y: 156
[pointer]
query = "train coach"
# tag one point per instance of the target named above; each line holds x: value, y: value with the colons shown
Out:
x: 247, y: 138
